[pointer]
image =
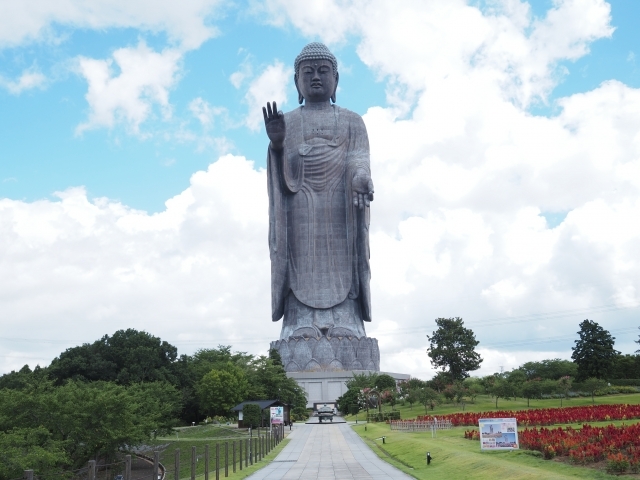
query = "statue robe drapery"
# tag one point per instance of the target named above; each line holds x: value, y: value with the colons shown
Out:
x: 318, y: 240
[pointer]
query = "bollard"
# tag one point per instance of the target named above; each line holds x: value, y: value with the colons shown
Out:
x: 217, y: 461
x: 127, y: 467
x: 384, y: 440
x: 429, y: 458
x: 92, y: 470
x: 156, y: 461
x: 193, y: 463
x: 256, y: 449
x: 206, y: 462
x: 28, y: 475
x: 176, y: 466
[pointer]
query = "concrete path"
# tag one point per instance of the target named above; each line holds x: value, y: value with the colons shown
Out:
x: 327, y: 451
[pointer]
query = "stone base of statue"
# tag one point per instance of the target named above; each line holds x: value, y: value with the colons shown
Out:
x: 328, y: 353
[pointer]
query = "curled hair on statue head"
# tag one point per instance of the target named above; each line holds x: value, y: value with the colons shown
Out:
x: 315, y: 51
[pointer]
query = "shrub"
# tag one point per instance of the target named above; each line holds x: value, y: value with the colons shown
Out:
x: 617, y: 463
x: 251, y: 415
x: 626, y: 382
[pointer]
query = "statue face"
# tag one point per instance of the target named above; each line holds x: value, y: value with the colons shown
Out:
x: 316, y: 81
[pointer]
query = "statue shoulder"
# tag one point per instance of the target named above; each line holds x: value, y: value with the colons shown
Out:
x: 292, y: 115
x: 349, y: 116
x: 352, y: 119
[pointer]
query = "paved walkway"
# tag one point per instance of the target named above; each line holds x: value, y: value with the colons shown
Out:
x: 327, y: 452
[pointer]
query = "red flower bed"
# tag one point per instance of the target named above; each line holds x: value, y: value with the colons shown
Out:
x: 548, y: 416
x: 620, y: 446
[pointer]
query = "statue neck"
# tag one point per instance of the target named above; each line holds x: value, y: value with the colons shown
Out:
x: 317, y: 105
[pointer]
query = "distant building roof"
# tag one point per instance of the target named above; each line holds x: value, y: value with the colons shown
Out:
x: 261, y: 403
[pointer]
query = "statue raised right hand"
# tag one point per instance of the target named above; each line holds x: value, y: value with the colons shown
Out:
x: 275, y: 126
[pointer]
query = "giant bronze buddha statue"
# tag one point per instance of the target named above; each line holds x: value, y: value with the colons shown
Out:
x: 320, y: 190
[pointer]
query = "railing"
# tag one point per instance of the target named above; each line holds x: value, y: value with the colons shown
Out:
x: 420, y: 425
x: 217, y: 462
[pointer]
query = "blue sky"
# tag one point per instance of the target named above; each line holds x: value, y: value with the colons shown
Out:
x: 504, y: 152
x: 41, y: 153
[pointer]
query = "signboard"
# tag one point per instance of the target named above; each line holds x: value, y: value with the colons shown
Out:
x: 277, y: 415
x: 498, y: 434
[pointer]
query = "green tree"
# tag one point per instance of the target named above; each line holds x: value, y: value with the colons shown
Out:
x: 439, y: 381
x: 269, y: 381
x: 362, y: 380
x: 126, y: 357
x: 348, y: 400
x: 23, y: 378
x: 251, y: 415
x: 625, y: 367
x: 548, y: 387
x: 564, y: 385
x: 516, y: 378
x: 428, y: 397
x: 502, y: 388
x: 30, y: 449
x: 275, y: 357
x: 531, y: 389
x: 591, y: 385
x: 594, y: 353
x: 452, y: 348
x: 385, y: 382
x: 219, y: 390
x: 88, y: 420
x: 551, y: 369
x: 474, y: 387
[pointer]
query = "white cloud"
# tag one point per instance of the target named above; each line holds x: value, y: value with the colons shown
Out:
x: 462, y: 169
x: 424, y: 44
x: 196, y: 272
x: 126, y: 87
x: 205, y: 112
x: 462, y: 173
x: 244, y: 73
x: 29, y: 79
x: 186, y: 22
x: 270, y: 85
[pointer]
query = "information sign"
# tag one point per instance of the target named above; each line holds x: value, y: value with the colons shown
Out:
x: 498, y: 434
x: 277, y: 415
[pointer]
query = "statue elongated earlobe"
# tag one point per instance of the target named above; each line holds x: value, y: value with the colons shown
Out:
x: 333, y: 97
x: 295, y: 81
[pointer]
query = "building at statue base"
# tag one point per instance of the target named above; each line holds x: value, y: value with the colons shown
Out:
x: 328, y: 386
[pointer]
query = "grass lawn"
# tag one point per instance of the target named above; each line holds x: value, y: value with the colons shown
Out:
x: 455, y: 457
x: 199, y: 437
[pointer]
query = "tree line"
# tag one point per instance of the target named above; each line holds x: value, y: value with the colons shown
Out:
x: 100, y: 398
x: 452, y: 350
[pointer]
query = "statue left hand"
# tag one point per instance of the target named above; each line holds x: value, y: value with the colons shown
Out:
x: 362, y: 190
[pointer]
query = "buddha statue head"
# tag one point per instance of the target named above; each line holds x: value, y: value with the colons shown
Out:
x: 316, y: 74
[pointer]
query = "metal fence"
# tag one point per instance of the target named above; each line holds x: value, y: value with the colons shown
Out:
x: 211, y: 463
x: 420, y: 425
